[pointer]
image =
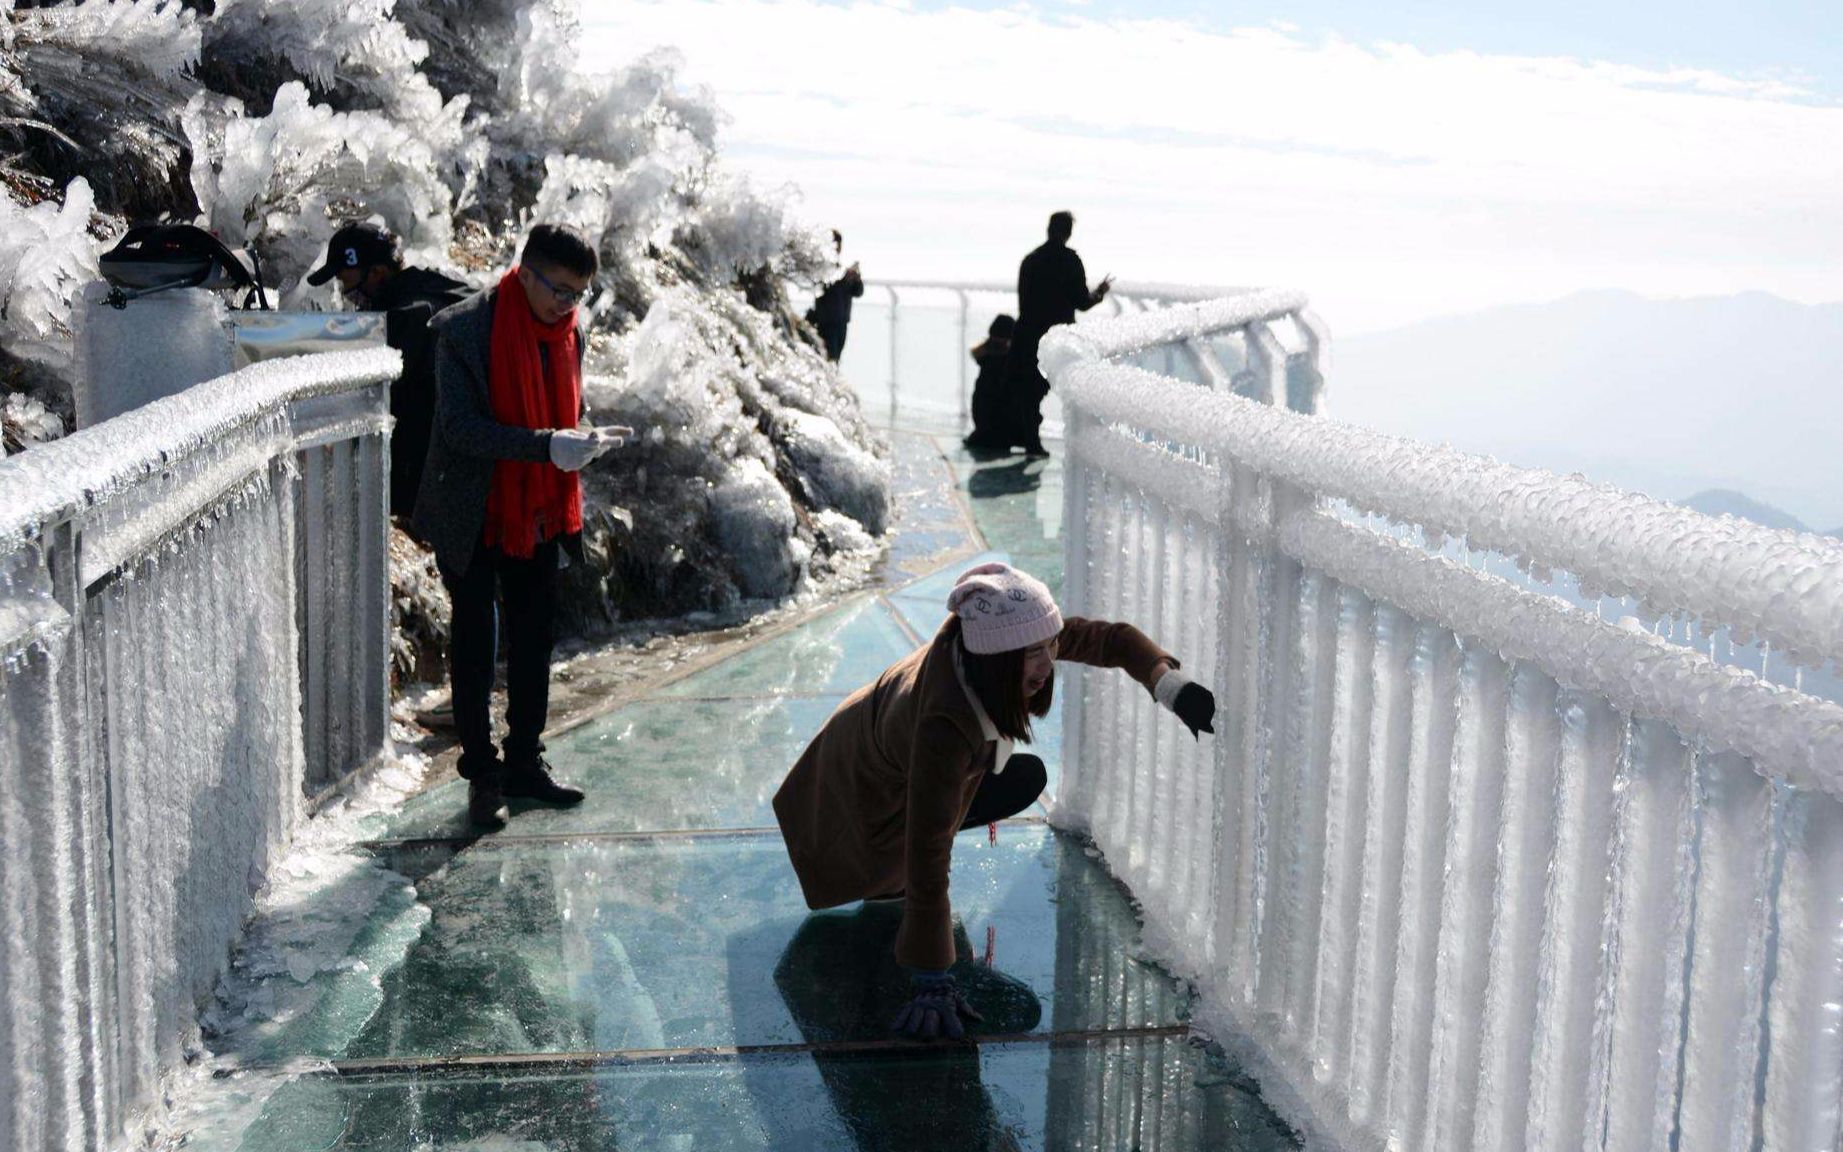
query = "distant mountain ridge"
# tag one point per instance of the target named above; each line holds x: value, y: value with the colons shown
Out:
x: 1741, y: 393
x: 1727, y: 502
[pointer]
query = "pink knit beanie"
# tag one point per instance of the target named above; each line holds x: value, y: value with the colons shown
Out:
x: 1002, y: 609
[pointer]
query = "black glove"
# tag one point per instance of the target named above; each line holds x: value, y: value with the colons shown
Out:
x: 1195, y: 705
x: 935, y: 1010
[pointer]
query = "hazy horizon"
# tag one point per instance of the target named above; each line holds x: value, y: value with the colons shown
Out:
x: 1394, y: 166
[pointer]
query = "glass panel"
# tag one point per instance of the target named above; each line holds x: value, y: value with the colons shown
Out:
x: 1152, y: 1093
x: 660, y: 765
x: 690, y: 941
x: 837, y: 653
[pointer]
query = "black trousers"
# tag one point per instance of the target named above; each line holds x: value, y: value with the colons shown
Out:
x: 1007, y: 793
x: 522, y: 594
x: 1025, y: 389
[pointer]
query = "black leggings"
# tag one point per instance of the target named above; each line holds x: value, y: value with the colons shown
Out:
x: 1005, y: 794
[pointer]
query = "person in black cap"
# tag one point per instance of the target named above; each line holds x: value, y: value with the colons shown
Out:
x: 368, y: 263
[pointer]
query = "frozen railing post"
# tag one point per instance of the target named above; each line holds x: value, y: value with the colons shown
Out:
x: 134, y: 351
x: 1466, y: 865
x: 175, y: 584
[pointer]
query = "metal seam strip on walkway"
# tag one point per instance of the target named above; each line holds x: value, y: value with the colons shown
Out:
x: 500, y: 839
x: 410, y: 1066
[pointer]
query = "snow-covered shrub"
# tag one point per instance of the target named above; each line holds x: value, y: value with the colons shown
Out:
x: 636, y: 111
x: 327, y: 42
x: 420, y: 612
x: 623, y: 211
x: 273, y: 181
x: 736, y: 229
x: 24, y: 422
x: 46, y: 255
x: 156, y: 39
x: 459, y: 125
x: 95, y: 90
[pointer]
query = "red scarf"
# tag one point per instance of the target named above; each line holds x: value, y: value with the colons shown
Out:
x: 528, y: 501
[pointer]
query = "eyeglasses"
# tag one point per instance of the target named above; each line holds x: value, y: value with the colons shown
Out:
x: 567, y: 297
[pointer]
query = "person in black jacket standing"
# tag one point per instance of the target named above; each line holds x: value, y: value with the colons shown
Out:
x: 1052, y: 286
x: 831, y: 312
x: 368, y: 263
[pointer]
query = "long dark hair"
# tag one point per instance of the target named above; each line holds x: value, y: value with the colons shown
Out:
x: 998, y: 680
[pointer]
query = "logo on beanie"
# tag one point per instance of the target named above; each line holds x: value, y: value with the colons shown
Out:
x: 1018, y: 594
x: 986, y: 606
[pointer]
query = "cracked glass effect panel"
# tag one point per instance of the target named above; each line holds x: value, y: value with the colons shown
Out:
x: 688, y: 942
x: 1162, y: 1093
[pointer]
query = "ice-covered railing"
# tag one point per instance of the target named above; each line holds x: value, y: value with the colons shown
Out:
x: 193, y: 633
x: 1465, y: 866
x: 908, y: 349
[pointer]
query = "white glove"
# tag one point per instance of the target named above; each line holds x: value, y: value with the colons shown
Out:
x: 571, y: 450
x: 1167, y: 688
x: 613, y: 435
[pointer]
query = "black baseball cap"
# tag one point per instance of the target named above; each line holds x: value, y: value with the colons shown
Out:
x: 355, y: 246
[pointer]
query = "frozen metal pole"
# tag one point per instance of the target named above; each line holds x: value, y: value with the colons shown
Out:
x: 964, y: 356
x: 895, y: 308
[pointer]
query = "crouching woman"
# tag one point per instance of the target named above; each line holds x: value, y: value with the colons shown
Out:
x: 870, y: 810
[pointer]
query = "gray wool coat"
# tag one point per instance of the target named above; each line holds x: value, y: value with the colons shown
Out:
x: 466, y: 441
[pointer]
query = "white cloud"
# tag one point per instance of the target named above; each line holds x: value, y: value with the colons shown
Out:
x: 1389, y: 182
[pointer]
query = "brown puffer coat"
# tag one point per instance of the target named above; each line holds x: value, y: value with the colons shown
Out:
x: 873, y: 804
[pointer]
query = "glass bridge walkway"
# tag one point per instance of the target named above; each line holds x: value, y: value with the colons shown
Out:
x: 640, y: 972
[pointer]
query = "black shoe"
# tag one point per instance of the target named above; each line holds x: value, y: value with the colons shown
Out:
x: 531, y: 780
x: 484, y: 802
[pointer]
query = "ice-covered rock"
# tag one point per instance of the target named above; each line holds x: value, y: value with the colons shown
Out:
x: 753, y: 521
x: 838, y: 475
x: 704, y: 378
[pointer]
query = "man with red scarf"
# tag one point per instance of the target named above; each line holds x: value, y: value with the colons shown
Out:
x: 501, y: 502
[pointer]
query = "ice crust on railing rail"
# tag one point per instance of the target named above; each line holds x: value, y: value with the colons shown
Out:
x: 1785, y: 733
x: 1783, y: 587
x: 1188, y: 485
x: 1136, y: 289
x: 1135, y: 331
x: 52, y: 481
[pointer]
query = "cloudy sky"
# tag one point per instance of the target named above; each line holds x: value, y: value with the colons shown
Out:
x: 1396, y: 161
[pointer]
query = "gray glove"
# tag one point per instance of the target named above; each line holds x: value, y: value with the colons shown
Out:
x: 571, y: 450
x: 935, y: 1010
